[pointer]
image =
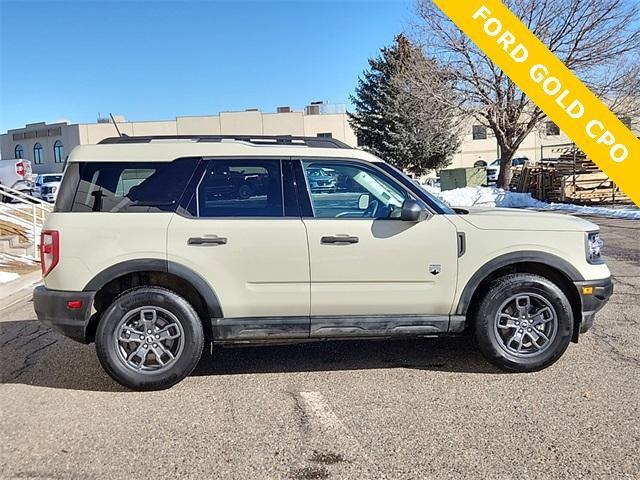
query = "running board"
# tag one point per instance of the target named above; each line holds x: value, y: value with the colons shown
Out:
x: 296, y: 328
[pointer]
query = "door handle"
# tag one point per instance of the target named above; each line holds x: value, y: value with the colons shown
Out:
x: 213, y: 240
x: 339, y: 239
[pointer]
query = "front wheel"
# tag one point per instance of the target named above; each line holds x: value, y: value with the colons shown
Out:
x: 149, y: 338
x: 524, y: 323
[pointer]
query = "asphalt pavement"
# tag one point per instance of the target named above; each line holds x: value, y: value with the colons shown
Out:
x: 416, y: 409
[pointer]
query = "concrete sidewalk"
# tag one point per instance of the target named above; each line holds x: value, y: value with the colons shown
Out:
x: 19, y: 289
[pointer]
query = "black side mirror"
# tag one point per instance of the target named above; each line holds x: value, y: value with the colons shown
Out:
x: 411, y: 211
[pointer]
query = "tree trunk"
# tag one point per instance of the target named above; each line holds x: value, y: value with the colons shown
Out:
x: 504, y: 177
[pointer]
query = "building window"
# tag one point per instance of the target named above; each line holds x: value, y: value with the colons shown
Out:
x: 37, y: 153
x: 58, y: 152
x: 19, y: 151
x: 552, y: 129
x: 479, y: 132
x: 325, y: 135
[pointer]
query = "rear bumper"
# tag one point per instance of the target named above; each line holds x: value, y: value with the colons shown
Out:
x: 601, y: 291
x: 52, y: 310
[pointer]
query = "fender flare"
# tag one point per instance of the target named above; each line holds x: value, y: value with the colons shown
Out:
x: 158, y: 265
x: 513, y: 258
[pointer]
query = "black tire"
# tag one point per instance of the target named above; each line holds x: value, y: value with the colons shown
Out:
x: 245, y: 191
x: 497, y: 343
x: 169, y: 304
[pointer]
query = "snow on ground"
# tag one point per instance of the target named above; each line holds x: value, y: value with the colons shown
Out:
x: 8, y: 276
x: 497, y: 197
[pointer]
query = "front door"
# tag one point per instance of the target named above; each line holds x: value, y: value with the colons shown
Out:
x: 372, y: 273
x: 241, y: 235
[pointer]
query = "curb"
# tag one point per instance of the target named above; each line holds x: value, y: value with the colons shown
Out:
x: 18, y: 290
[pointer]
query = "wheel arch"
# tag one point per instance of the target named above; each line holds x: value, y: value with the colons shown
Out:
x: 547, y: 265
x: 109, y: 283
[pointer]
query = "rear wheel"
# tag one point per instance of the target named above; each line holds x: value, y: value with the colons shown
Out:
x: 149, y: 338
x: 524, y: 323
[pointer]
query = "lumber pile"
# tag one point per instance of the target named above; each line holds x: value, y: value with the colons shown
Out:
x: 572, y: 178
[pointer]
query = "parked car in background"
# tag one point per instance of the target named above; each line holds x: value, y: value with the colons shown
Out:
x: 493, y: 170
x: 46, y: 186
x: 16, y: 173
x: 320, y: 180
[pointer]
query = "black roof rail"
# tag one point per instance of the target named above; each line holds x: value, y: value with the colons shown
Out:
x: 321, y: 142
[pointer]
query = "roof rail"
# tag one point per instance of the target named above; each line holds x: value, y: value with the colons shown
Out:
x: 322, y: 142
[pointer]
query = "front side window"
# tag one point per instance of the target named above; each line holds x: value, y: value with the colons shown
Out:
x: 19, y: 152
x: 129, y: 186
x: 37, y: 153
x: 239, y: 188
x: 352, y: 190
x: 58, y: 152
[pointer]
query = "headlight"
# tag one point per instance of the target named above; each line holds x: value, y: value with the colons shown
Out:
x: 594, y: 248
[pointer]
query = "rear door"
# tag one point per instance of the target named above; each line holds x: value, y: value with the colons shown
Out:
x: 242, y: 232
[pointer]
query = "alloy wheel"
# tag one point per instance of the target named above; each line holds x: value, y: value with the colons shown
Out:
x: 149, y: 339
x: 526, y: 325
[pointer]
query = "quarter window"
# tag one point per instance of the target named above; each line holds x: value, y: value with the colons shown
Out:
x: 37, y: 153
x: 18, y: 152
x: 58, y: 152
x: 129, y: 187
x: 352, y: 190
x: 239, y: 188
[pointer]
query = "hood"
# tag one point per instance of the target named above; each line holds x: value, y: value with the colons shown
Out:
x: 528, y: 220
x: 51, y: 184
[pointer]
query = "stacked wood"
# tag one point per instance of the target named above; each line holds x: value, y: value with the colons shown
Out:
x: 572, y: 178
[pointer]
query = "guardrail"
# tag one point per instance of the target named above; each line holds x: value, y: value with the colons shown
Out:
x: 28, y: 212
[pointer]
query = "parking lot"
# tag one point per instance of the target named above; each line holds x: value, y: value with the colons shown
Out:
x: 385, y: 409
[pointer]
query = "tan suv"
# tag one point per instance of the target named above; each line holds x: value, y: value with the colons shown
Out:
x: 159, y: 246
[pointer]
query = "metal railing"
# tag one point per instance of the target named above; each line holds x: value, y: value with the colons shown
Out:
x: 28, y: 212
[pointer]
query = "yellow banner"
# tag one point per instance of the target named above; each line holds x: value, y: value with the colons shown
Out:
x: 551, y: 86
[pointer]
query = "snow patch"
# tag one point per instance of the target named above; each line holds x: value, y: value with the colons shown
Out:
x: 497, y: 197
x: 8, y: 276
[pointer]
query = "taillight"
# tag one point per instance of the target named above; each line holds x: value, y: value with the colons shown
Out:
x: 20, y: 170
x: 49, y: 250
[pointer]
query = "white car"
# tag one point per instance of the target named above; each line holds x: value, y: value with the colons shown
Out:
x: 152, y: 255
x: 46, y: 186
x: 493, y: 170
x: 16, y: 173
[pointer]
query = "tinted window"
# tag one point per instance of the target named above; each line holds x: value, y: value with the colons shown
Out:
x: 351, y: 190
x: 128, y: 187
x: 239, y: 188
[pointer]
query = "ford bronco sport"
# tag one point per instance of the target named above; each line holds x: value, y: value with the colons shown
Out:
x: 153, y: 251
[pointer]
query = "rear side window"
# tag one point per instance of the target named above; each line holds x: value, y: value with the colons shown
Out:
x: 125, y: 186
x: 239, y: 188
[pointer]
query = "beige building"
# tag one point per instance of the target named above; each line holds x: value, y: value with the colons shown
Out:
x: 47, y: 145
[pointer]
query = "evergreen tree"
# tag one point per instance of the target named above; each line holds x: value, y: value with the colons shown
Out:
x: 410, y: 131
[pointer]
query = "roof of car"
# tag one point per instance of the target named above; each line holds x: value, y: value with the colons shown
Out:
x: 168, y: 148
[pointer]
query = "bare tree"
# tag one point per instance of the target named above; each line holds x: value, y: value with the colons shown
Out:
x: 599, y: 40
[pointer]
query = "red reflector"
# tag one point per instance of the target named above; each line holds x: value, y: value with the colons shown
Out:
x: 74, y: 304
x: 47, y: 248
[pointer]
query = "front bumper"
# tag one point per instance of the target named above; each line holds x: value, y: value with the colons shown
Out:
x: 52, y: 310
x: 594, y: 294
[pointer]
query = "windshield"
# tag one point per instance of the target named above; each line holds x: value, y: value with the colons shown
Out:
x: 496, y: 163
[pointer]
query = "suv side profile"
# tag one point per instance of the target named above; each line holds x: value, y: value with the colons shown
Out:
x: 152, y: 252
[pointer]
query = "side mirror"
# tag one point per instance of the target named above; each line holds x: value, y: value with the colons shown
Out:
x: 363, y: 201
x: 411, y: 211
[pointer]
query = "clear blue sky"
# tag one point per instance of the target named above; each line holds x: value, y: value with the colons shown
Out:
x: 156, y: 59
